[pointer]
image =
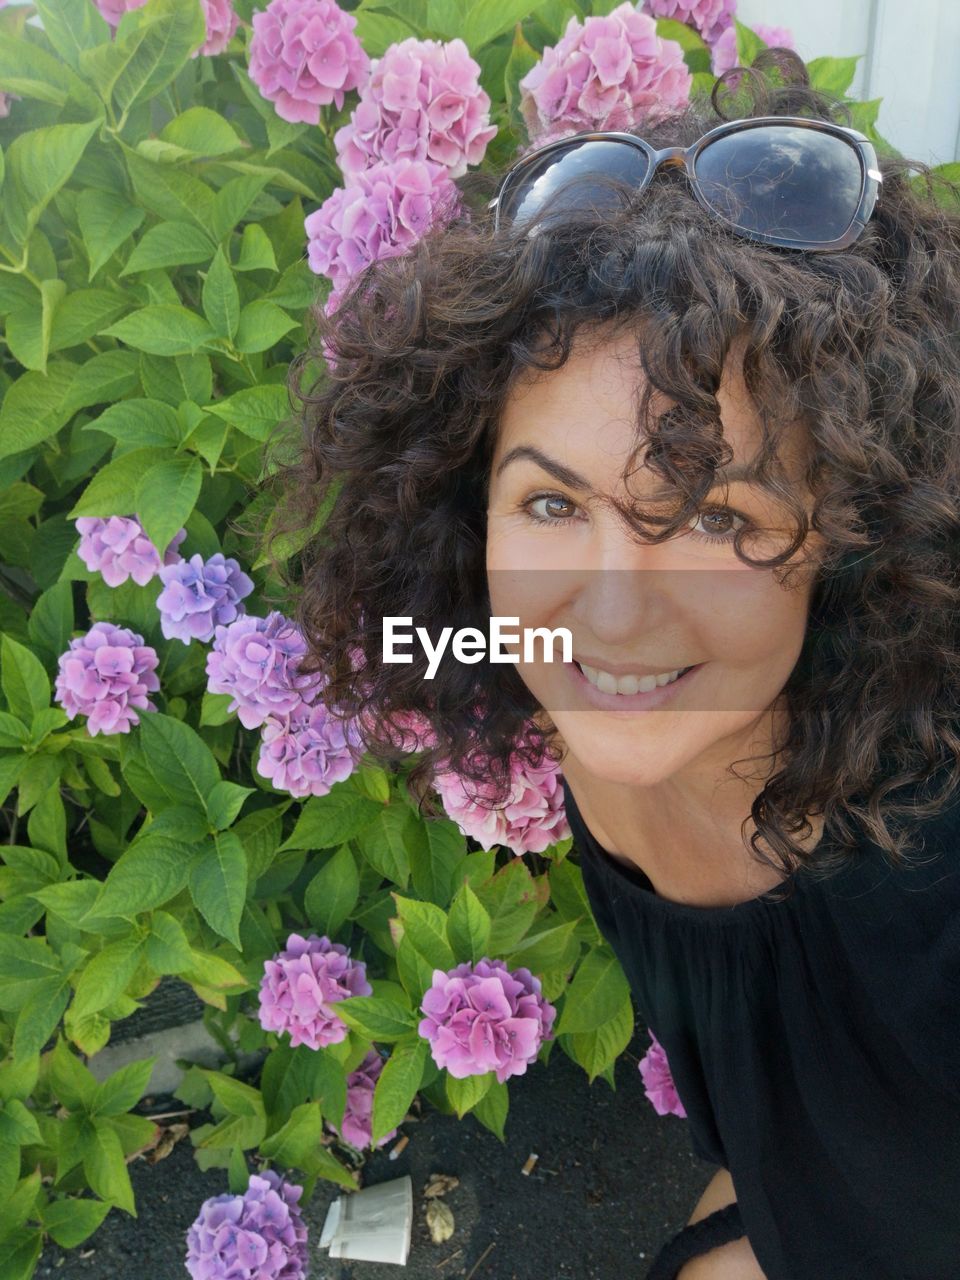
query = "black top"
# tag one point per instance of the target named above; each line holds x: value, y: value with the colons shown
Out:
x: 815, y: 1045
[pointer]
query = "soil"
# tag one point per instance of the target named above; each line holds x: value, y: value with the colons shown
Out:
x: 613, y: 1182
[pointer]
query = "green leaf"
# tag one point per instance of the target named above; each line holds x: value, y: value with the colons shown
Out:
x: 123, y: 1089
x: 218, y: 884
x: 596, y: 993
x: 598, y: 1050
x: 140, y: 423
x: 331, y: 820
x: 377, y: 30
x: 463, y: 1095
x: 255, y: 411
x: 383, y: 843
x: 256, y: 251
x: 492, y: 1108
x: 547, y: 950
x: 82, y: 313
x: 749, y: 44
x: 103, y: 379
x: 149, y: 873
x: 262, y: 324
x: 397, y: 1085
x: 333, y: 892
x: 170, y: 244
x: 39, y: 162
x: 225, y: 802
x: 111, y: 490
x: 21, y: 1252
x: 202, y: 131
x: 235, y: 1097
x: 35, y: 407
x: 235, y: 197
x: 485, y: 21
x: 221, y: 301
x: 162, y: 330
x: 150, y: 47
x: 165, y: 496
x: 181, y: 763
x: 106, y: 1168
x: 25, y: 683
x: 72, y: 1083
x: 523, y: 57
x: 28, y: 330
x: 17, y: 1207
x: 72, y: 26
x: 170, y: 192
x: 835, y: 75
x: 70, y: 1222
x: 107, y: 975
x: 297, y: 1145
x: 18, y: 1125
x: 512, y: 900
x: 238, y: 1173
x: 438, y: 853
x: 40, y: 1016
x: 106, y: 222
x: 168, y: 948
x: 468, y: 926
x: 377, y: 1018
x: 425, y: 924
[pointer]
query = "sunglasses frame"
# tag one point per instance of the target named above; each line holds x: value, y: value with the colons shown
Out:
x: 871, y: 177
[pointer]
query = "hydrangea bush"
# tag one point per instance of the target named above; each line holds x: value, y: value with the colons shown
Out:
x: 182, y: 181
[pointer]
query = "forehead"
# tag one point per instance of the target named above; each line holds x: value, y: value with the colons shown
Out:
x: 588, y: 407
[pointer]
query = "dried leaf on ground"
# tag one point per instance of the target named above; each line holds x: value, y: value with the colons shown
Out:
x: 167, y: 1138
x: 440, y: 1221
x: 440, y: 1184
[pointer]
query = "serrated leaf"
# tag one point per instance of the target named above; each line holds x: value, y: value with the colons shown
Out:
x: 596, y: 993
x: 468, y: 926
x: 262, y: 324
x: 397, y: 1085
x: 26, y: 685
x: 377, y: 1018
x: 162, y: 330
x: 106, y: 976
x: 106, y: 1168
x: 333, y: 892
x: 218, y: 884
x: 221, y: 300
x: 170, y: 244
x: 106, y: 222
x: 165, y: 496
x: 181, y: 763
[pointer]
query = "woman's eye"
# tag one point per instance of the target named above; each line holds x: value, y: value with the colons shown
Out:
x: 719, y: 524
x: 553, y: 500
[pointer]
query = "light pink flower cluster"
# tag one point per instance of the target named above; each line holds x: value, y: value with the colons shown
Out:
x: 380, y: 214
x: 357, y: 1127
x: 423, y: 101
x: 222, y: 23
x: 104, y: 675
x: 711, y: 18
x: 532, y: 818
x: 658, y: 1082
x: 607, y: 72
x: 302, y: 983
x: 485, y: 1017
x: 304, y: 55
x: 256, y: 661
x: 118, y: 548
x: 309, y: 750
x: 723, y: 52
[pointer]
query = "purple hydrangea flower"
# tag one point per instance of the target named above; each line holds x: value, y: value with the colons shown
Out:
x: 260, y: 1235
x: 357, y: 1127
x: 222, y: 23
x: 658, y: 1082
x: 199, y: 595
x: 302, y: 983
x: 605, y: 73
x: 423, y: 101
x: 485, y: 1017
x: 309, y: 750
x: 118, y: 549
x: 708, y: 17
x: 256, y: 660
x: 304, y: 55
x: 382, y: 213
x: 104, y: 675
x: 533, y: 817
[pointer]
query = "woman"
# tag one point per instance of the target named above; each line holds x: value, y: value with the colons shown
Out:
x: 706, y: 419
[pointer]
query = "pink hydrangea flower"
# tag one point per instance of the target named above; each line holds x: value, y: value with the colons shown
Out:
x: 117, y: 548
x: 104, y: 675
x: 259, y: 1234
x: 222, y: 23
x: 357, y: 1127
x: 199, y: 595
x: 304, y: 55
x: 256, y: 660
x: 723, y: 54
x: 113, y: 10
x: 302, y: 983
x: 423, y: 101
x: 309, y: 750
x: 708, y: 17
x: 605, y: 73
x: 485, y: 1017
x: 658, y: 1082
x: 532, y: 818
x: 380, y: 214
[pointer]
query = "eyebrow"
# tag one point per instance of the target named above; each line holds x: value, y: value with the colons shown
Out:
x: 566, y: 475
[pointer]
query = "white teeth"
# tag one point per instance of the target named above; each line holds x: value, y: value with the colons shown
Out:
x: 607, y: 683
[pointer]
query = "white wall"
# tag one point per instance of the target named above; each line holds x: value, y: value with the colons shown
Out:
x: 911, y: 60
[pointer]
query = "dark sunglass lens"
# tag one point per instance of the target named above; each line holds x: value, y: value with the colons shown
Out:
x: 792, y: 182
x: 584, y: 176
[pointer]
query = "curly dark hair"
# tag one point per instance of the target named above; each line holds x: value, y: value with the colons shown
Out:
x: 387, y: 482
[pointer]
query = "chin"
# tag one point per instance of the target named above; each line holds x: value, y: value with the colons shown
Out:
x: 624, y: 758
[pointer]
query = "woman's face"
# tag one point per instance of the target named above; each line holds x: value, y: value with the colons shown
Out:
x: 635, y: 608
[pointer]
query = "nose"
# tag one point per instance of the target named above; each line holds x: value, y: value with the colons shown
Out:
x: 628, y: 588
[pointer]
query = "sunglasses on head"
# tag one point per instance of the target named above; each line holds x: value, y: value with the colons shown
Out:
x: 782, y: 180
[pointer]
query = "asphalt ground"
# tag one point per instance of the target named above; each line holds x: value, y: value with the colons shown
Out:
x: 612, y: 1183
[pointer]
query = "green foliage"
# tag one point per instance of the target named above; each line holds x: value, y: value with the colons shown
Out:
x: 154, y: 289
